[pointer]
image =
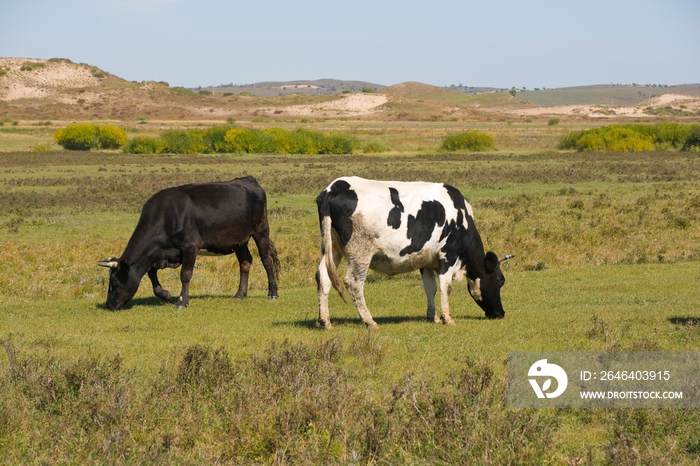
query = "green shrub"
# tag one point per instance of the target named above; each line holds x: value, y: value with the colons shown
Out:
x: 304, y: 141
x: 79, y: 136
x: 373, y: 148
x: 469, y: 140
x: 214, y: 139
x: 620, y: 139
x: 553, y: 121
x: 337, y: 143
x: 98, y: 73
x: 239, y: 140
x: 31, y: 66
x: 692, y: 142
x: 664, y: 134
x: 628, y: 138
x: 224, y: 139
x: 110, y: 137
x: 144, y: 145
x: 180, y: 141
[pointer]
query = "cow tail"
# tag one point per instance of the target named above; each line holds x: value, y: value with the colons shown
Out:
x: 327, y: 249
x: 276, y: 267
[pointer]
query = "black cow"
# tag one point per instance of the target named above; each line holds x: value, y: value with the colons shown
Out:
x: 177, y: 224
x: 396, y: 227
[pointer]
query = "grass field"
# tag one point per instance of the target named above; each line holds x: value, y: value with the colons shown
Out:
x: 607, y: 258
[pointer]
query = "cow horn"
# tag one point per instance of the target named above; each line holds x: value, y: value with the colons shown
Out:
x: 111, y: 263
x: 506, y: 257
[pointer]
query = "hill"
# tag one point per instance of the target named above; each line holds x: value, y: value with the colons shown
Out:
x: 610, y: 94
x: 58, y: 89
x: 280, y: 88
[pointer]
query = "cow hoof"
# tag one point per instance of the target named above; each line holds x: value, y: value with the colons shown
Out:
x: 448, y: 322
x: 325, y: 325
x: 239, y: 296
x: 181, y: 305
x: 371, y: 325
x: 275, y: 297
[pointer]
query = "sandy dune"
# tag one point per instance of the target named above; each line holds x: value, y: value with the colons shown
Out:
x: 691, y: 104
x: 348, y: 104
x: 41, y: 82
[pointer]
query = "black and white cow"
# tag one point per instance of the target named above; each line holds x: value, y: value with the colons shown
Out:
x: 179, y: 223
x: 396, y: 227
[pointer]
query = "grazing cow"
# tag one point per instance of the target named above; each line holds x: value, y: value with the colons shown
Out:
x: 179, y: 223
x: 395, y: 227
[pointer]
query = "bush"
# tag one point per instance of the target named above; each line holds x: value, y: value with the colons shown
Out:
x: 692, y: 142
x: 610, y: 138
x: 80, y: 136
x: 110, y: 137
x: 214, y: 139
x: 180, y: 141
x: 249, y: 141
x: 469, y: 140
x: 84, y: 136
x: 144, y: 145
x: 224, y: 139
x: 373, y: 148
x: 31, y: 66
x: 620, y: 139
x: 553, y: 121
x: 337, y: 143
x: 664, y: 134
x: 629, y: 138
x: 304, y: 141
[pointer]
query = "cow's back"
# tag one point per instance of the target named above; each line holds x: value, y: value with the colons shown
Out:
x: 219, y: 215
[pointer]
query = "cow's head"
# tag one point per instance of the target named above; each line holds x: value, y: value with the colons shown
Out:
x: 486, y: 290
x: 122, y: 283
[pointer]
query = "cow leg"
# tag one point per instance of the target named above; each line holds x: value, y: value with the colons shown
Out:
x: 268, y: 256
x: 157, y: 289
x: 355, y: 282
x: 189, y: 256
x: 323, y: 287
x: 445, y: 285
x: 245, y: 260
x: 430, y: 287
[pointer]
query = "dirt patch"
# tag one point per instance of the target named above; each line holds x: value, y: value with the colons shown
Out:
x: 350, y: 104
x: 690, y: 103
x: 44, y: 79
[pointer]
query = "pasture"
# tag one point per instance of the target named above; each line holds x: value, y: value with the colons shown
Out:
x: 607, y: 258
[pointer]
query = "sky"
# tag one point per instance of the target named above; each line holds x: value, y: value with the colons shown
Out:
x: 496, y: 43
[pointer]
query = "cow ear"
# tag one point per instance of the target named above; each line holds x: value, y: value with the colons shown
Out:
x: 490, y: 262
x: 124, y: 266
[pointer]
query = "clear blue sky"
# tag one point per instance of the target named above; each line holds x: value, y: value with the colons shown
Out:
x: 499, y: 43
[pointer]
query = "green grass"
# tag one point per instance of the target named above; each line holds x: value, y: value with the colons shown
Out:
x: 606, y: 259
x: 646, y: 305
